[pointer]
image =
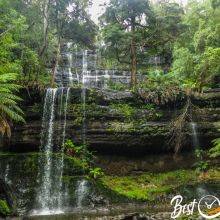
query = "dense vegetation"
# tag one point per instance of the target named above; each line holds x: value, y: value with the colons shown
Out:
x: 172, y: 53
x: 182, y: 42
x: 31, y: 33
x: 176, y: 47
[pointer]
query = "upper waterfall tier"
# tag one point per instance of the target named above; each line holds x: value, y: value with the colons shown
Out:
x: 80, y: 67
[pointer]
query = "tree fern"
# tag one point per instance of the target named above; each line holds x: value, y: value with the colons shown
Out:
x: 9, y: 110
x: 215, y: 151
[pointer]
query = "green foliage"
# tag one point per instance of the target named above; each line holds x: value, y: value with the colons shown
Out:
x: 116, y: 86
x: 73, y: 149
x: 215, y: 151
x: 124, y: 23
x: 32, y: 30
x: 153, y: 28
x: 125, y: 109
x: 96, y: 173
x: 159, y: 88
x: 9, y: 110
x: 201, y: 165
x: 16, y: 49
x: 84, y: 157
x: 4, y: 208
x: 79, y: 151
x: 149, y: 106
x: 196, y: 52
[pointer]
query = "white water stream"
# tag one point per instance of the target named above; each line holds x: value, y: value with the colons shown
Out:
x: 195, y: 135
x: 49, y: 199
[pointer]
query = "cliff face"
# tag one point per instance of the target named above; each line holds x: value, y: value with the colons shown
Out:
x: 116, y: 122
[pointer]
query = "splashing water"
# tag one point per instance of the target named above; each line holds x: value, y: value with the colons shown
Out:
x: 81, y: 192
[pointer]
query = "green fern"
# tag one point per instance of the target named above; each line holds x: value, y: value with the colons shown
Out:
x: 9, y: 110
x: 215, y: 151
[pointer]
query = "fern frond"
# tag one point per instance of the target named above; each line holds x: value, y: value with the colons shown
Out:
x: 11, y: 114
x: 8, y: 77
x: 9, y: 110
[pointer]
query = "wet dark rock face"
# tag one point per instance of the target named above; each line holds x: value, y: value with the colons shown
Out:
x: 116, y: 122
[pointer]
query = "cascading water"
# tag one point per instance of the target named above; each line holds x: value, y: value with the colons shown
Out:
x: 60, y: 160
x: 83, y: 95
x: 81, y: 193
x: 195, y: 135
x: 45, y: 199
x: 50, y: 195
x: 65, y: 114
x: 70, y: 61
x: 82, y: 188
x: 7, y: 171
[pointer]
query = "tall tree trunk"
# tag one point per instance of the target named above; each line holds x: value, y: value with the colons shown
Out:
x: 55, y: 63
x: 46, y: 25
x: 133, y: 59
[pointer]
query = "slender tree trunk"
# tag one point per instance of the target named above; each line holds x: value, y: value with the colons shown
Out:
x: 46, y: 26
x: 133, y: 59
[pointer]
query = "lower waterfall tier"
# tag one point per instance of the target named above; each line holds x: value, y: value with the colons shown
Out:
x: 116, y: 122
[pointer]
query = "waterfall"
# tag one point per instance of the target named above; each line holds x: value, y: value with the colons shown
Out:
x: 81, y: 192
x: 82, y: 188
x: 96, y: 78
x: 7, y: 171
x: 50, y: 192
x: 60, y: 160
x: 195, y: 135
x: 70, y: 61
x: 61, y: 101
x: 44, y: 198
x: 107, y: 78
x: 65, y: 114
x: 83, y: 94
x: 77, y: 75
x: 85, y: 62
x: 84, y: 68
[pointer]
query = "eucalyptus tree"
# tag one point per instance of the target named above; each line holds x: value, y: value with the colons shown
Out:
x: 124, y: 22
x: 135, y: 31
